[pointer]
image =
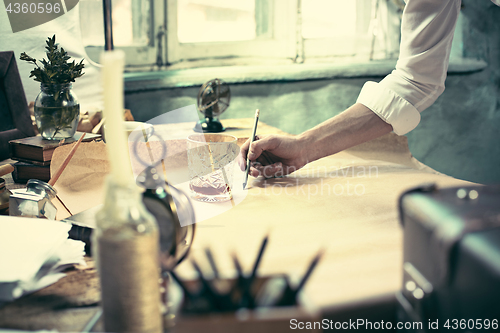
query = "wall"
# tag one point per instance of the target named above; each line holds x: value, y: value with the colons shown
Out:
x: 458, y: 135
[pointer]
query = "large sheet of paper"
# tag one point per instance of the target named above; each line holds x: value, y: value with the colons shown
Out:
x: 81, y: 186
x: 345, y: 204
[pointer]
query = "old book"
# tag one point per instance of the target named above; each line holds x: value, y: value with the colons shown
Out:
x: 26, y: 171
x: 39, y: 151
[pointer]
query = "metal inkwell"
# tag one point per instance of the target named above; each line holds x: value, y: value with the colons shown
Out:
x: 35, y: 201
x: 171, y: 208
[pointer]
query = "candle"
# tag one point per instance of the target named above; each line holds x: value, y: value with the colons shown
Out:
x: 113, y: 63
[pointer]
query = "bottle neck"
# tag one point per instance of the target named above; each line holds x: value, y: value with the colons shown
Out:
x: 123, y: 210
x: 118, y: 194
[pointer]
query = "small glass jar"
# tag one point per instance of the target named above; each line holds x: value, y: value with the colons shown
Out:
x: 4, y: 196
x: 57, y: 111
x: 36, y: 201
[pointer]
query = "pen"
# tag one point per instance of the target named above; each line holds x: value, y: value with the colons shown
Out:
x: 289, y: 296
x: 309, y: 271
x: 211, y: 261
x: 238, y: 266
x: 219, y: 301
x: 239, y: 284
x: 251, y: 141
x: 259, y: 257
x: 247, y: 299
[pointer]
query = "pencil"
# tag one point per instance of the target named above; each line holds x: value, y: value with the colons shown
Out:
x: 66, y: 161
x: 237, y: 265
x: 211, y: 294
x: 257, y: 112
x: 309, y: 271
x: 259, y: 258
x: 211, y: 261
x: 247, y: 299
x: 289, y: 296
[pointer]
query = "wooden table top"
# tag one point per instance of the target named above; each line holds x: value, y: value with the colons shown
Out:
x: 345, y: 204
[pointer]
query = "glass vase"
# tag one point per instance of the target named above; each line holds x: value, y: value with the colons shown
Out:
x: 57, y: 111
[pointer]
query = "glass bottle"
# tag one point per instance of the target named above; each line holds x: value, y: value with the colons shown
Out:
x: 126, y: 243
x: 57, y: 111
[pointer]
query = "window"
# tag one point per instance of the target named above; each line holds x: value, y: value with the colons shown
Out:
x: 175, y: 31
x: 133, y: 29
x: 200, y: 21
x: 365, y: 29
x: 253, y: 28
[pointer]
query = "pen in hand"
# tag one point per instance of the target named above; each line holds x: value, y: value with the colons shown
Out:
x: 257, y: 112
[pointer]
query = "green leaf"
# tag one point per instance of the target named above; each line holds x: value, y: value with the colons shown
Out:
x: 56, y: 69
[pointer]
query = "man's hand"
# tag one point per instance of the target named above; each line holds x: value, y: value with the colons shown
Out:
x: 278, y: 155
x: 273, y: 155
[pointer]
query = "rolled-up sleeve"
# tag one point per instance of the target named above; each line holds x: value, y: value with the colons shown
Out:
x: 426, y: 34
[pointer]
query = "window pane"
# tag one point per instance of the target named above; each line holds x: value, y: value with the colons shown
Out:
x: 130, y: 22
x: 215, y: 20
x: 328, y: 18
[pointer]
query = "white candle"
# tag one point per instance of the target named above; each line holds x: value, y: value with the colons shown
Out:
x: 113, y: 63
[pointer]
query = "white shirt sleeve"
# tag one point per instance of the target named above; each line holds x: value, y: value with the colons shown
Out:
x: 426, y: 34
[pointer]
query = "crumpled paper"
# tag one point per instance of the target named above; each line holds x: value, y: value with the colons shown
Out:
x: 81, y: 185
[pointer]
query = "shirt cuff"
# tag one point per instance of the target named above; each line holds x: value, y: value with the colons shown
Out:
x: 392, y: 108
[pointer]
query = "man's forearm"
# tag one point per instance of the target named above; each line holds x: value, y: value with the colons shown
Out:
x: 355, y: 125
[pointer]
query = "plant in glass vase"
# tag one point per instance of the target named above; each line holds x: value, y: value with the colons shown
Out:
x: 57, y: 110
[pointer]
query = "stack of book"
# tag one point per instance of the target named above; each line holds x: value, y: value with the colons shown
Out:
x: 34, y: 155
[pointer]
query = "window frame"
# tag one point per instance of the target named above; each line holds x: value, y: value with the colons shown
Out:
x: 386, y: 43
x: 282, y: 41
x: 279, y: 42
x: 136, y: 55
